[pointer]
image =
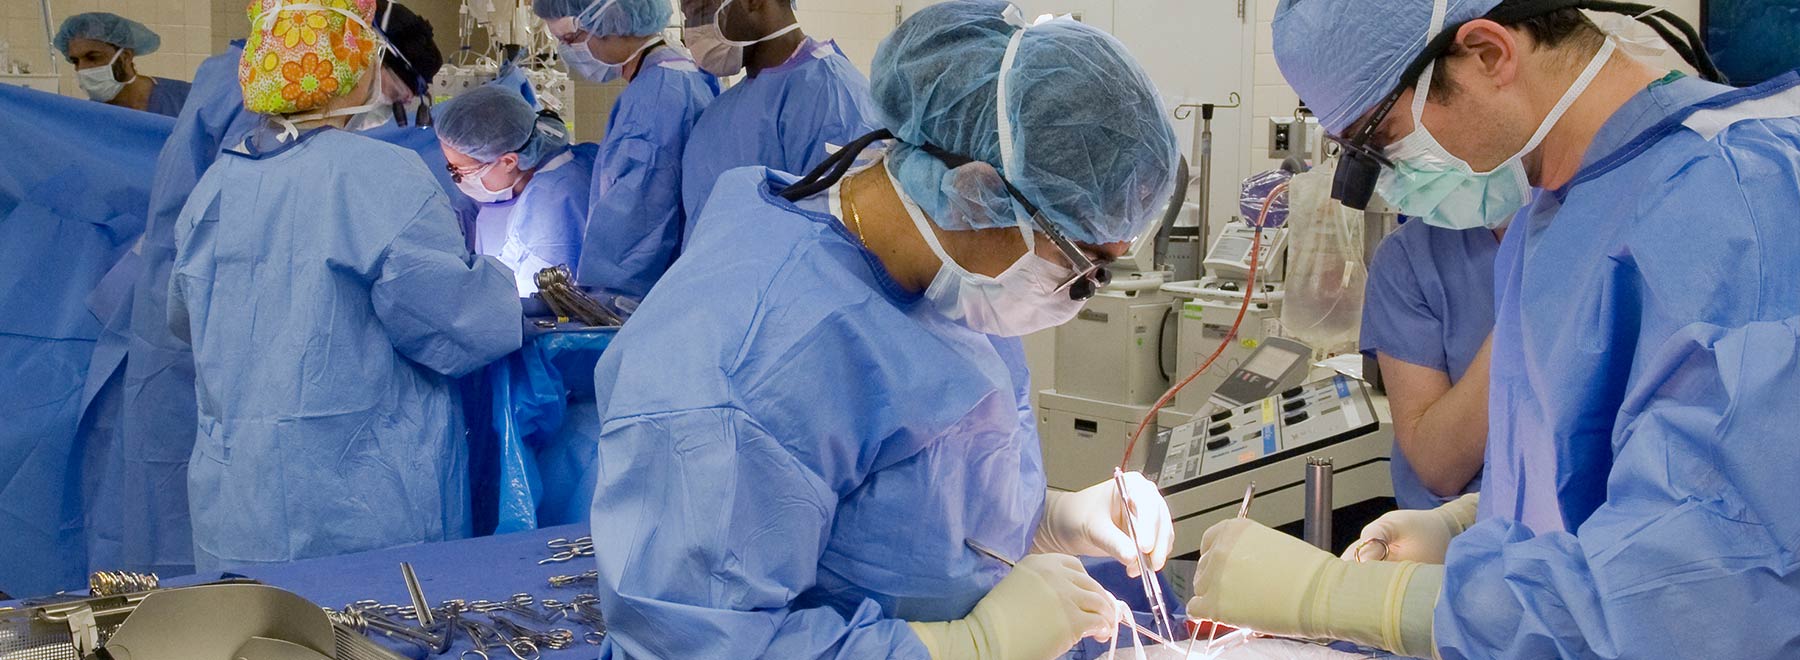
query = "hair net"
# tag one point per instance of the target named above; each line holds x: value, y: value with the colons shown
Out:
x: 608, y: 18
x: 1345, y: 56
x: 1090, y: 140
x: 110, y: 28
x: 491, y: 121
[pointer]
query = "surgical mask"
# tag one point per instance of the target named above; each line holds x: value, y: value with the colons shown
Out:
x: 583, y: 61
x: 1024, y: 299
x: 584, y: 64
x: 476, y: 189
x: 711, y: 52
x: 100, y: 83
x: 717, y: 54
x: 374, y: 114
x: 1430, y: 183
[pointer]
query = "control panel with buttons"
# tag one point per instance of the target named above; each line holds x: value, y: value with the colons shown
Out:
x: 1233, y: 439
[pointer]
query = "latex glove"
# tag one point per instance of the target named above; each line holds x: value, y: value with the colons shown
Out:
x: 1254, y: 577
x: 1091, y: 523
x: 1414, y: 535
x: 1040, y: 610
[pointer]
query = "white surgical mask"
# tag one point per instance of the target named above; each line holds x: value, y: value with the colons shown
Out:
x: 711, y: 51
x: 99, y: 82
x: 717, y: 54
x: 581, y: 60
x: 1022, y: 300
x: 1432, y: 184
x: 377, y: 112
x: 476, y: 189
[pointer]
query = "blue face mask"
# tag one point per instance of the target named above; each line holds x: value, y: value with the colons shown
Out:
x: 1430, y: 183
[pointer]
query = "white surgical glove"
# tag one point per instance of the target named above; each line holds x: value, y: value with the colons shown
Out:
x: 1414, y: 535
x: 1037, y: 612
x: 1254, y: 577
x: 1092, y: 523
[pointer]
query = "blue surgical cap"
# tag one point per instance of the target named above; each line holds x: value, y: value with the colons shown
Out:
x: 491, y: 121
x: 114, y: 29
x: 1344, y: 56
x: 607, y: 18
x: 1092, y: 147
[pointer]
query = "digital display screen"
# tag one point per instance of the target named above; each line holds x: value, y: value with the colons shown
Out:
x: 1752, y: 41
x: 1270, y: 362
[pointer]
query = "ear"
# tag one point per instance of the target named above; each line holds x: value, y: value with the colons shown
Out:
x: 1491, y: 52
x: 510, y: 161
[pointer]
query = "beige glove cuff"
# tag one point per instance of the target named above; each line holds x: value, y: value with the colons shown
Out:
x: 1387, y: 605
x: 945, y: 640
x: 1459, y: 513
x: 1044, y: 540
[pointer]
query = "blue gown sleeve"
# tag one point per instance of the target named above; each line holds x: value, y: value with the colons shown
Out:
x: 634, y: 220
x: 441, y: 307
x: 1397, y: 318
x: 1696, y: 538
x: 731, y: 526
x: 545, y: 229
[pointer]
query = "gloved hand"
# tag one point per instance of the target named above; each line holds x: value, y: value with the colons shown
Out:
x: 1091, y: 523
x: 1414, y: 535
x: 1046, y: 605
x: 1254, y: 577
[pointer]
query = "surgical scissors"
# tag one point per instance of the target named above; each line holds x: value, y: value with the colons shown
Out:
x: 569, y: 550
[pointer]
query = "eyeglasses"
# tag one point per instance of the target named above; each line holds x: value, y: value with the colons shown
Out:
x: 1359, y: 163
x: 1091, y: 273
x: 457, y: 174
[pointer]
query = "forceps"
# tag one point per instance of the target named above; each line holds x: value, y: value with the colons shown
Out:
x: 991, y: 554
x: 568, y: 550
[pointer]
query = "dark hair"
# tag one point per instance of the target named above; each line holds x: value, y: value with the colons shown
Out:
x: 411, y: 34
x: 1554, y: 30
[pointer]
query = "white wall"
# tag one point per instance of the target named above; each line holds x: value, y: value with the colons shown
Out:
x: 184, y: 25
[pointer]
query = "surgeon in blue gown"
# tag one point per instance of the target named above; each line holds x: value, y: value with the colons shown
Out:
x: 1637, y: 500
x: 521, y: 168
x: 138, y: 425
x: 798, y: 96
x: 72, y: 201
x: 329, y: 312
x: 105, y: 47
x: 825, y: 400
x: 635, y: 216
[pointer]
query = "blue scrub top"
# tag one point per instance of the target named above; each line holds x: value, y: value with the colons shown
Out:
x: 635, y: 216
x: 1430, y: 303
x: 167, y: 97
x: 795, y: 448
x: 781, y: 119
x: 1638, y: 494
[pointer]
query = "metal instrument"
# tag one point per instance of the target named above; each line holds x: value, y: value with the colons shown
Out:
x: 565, y: 550
x: 556, y: 286
x: 1317, y: 525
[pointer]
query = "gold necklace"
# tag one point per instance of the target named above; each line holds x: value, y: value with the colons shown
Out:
x: 856, y: 218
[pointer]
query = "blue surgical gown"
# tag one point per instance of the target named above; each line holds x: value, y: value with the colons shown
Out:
x: 167, y: 97
x: 1638, y: 499
x: 1430, y: 303
x: 139, y: 429
x: 794, y: 449
x: 329, y: 311
x: 543, y: 224
x: 73, y: 190
x: 635, y: 222
x: 781, y: 119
